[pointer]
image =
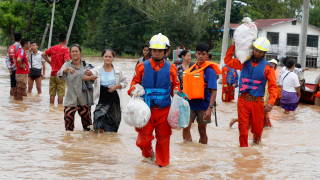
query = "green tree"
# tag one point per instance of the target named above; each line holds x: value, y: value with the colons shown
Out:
x: 214, y: 13
x: 314, y: 16
x: 177, y: 19
x: 12, y: 18
x: 121, y: 27
x: 62, y: 18
x: 271, y: 9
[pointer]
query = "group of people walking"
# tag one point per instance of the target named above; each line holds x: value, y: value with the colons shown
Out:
x: 101, y: 86
x: 86, y: 85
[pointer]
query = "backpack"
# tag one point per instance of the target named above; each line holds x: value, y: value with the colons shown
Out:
x: 232, y: 77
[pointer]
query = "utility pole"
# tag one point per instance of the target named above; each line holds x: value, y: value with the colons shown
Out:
x: 51, y: 27
x: 225, y: 32
x: 303, y: 35
x: 72, y: 20
x: 44, y: 36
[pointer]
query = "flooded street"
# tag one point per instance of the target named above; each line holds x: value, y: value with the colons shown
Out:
x: 35, y: 145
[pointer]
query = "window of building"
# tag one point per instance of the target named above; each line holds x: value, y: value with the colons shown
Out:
x: 292, y: 39
x: 312, y: 41
x: 273, y: 37
x: 294, y: 23
x: 311, y: 62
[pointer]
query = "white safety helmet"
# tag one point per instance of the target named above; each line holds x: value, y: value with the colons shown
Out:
x: 159, y: 41
x: 262, y: 43
x: 273, y: 61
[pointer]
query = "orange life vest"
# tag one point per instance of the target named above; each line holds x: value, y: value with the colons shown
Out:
x: 193, y: 82
x: 12, y: 52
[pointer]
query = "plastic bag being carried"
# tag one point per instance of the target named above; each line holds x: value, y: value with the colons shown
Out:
x: 179, y: 114
x: 244, y: 37
x: 137, y: 113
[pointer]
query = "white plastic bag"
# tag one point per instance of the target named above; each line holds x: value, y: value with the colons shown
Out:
x: 137, y: 113
x: 179, y: 114
x: 138, y: 90
x: 244, y: 37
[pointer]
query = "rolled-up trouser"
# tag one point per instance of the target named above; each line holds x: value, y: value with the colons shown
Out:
x: 250, y: 113
x: 83, y: 111
x: 21, y: 86
x: 158, y: 121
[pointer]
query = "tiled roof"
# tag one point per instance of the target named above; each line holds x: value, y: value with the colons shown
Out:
x: 261, y: 23
x: 233, y: 25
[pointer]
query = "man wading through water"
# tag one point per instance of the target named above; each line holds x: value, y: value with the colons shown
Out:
x: 10, y: 61
x: 59, y: 55
x: 158, y: 77
x: 255, y: 73
x: 202, y: 93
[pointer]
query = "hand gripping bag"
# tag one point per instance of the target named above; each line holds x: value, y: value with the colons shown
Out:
x: 244, y: 36
x: 179, y: 114
x: 137, y: 113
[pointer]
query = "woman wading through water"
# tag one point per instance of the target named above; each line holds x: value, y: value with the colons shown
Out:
x: 108, y: 82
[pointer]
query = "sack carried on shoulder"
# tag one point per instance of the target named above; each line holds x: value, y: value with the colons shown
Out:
x: 34, y: 73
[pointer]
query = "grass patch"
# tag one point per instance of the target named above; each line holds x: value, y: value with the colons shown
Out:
x: 129, y: 56
x: 95, y: 53
x: 90, y: 52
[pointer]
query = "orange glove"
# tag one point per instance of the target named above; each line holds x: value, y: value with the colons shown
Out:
x: 131, y: 88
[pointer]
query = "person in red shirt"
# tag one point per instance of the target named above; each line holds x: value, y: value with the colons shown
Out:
x: 59, y: 55
x: 22, y: 71
x: 159, y: 79
x: 254, y: 75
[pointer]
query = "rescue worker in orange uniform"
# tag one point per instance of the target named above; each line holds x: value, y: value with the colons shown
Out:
x: 228, y: 88
x: 255, y: 73
x: 267, y: 122
x: 159, y: 79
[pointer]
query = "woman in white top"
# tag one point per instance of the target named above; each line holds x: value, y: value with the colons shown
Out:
x: 289, y: 82
x: 108, y: 82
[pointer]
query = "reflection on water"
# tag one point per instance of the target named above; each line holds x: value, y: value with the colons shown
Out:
x: 35, y: 145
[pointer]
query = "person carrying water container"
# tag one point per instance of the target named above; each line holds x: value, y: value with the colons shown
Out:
x: 229, y: 83
x: 200, y: 84
x: 159, y: 79
x: 255, y: 73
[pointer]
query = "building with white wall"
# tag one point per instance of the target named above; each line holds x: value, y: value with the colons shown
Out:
x: 284, y: 37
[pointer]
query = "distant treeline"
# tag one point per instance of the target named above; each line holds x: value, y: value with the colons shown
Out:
x: 127, y: 25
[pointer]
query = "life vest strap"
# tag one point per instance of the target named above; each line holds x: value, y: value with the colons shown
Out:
x: 245, y: 80
x: 155, y: 90
x: 150, y: 94
x: 245, y: 87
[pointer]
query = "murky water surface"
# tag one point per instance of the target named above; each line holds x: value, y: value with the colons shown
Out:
x: 34, y: 144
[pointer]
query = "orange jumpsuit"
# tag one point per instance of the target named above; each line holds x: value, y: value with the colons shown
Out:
x: 158, y: 120
x: 227, y: 91
x: 251, y: 113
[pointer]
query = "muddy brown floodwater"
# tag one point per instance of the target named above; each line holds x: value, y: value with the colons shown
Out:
x: 34, y: 144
